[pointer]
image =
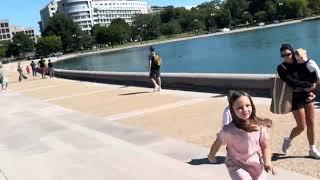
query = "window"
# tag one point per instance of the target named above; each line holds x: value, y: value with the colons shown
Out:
x: 8, y: 36
x: 2, y: 25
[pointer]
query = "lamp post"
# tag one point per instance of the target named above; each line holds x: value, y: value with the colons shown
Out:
x: 195, y: 24
x: 145, y: 32
x: 212, y: 22
x: 280, y: 10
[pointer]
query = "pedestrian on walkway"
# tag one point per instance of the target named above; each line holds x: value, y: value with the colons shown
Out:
x: 33, y: 68
x: 154, y: 69
x: 20, y: 70
x: 51, y: 69
x: 42, y: 66
x: 247, y: 140
x: 3, y: 79
x: 295, y: 72
x: 28, y: 69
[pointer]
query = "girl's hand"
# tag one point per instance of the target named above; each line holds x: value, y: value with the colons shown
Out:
x: 212, y: 159
x: 270, y: 168
x: 311, y: 96
x: 313, y: 87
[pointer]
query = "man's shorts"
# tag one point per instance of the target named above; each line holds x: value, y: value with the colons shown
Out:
x: 155, y: 73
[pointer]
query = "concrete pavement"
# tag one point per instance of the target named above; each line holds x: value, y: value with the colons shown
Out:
x: 55, y: 129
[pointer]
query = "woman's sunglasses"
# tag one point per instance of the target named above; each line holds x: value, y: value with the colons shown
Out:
x: 286, y: 55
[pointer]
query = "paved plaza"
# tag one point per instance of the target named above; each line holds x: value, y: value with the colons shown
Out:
x: 57, y: 129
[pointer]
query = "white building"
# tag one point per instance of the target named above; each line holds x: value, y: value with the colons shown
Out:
x: 7, y: 32
x: 48, y: 12
x: 87, y: 13
x: 27, y: 31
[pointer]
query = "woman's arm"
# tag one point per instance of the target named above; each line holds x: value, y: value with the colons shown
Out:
x: 290, y: 80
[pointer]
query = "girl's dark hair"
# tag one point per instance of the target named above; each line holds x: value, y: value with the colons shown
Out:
x: 254, y: 122
x: 290, y: 48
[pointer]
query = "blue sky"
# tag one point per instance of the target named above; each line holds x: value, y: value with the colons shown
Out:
x: 26, y: 12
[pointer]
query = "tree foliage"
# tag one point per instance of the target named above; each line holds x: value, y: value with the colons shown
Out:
x: 20, y: 45
x: 63, y: 26
x: 48, y: 45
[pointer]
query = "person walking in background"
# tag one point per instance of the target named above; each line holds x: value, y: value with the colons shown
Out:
x: 3, y: 79
x: 20, y: 70
x: 33, y: 68
x: 154, y: 69
x: 28, y: 69
x: 247, y: 141
x: 297, y: 75
x: 42, y: 66
x: 51, y: 70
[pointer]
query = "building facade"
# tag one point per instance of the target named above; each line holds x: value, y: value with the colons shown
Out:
x: 87, y: 13
x: 47, y: 12
x: 27, y: 31
x: 5, y: 34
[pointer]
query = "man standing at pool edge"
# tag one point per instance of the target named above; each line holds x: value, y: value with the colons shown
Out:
x: 154, y: 69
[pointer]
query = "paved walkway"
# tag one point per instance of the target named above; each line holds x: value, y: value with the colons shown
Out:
x: 62, y: 129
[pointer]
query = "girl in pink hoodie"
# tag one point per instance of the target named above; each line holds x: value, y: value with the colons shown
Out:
x: 247, y: 141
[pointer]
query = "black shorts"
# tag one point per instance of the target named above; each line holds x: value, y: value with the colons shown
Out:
x: 154, y: 73
x: 299, y: 100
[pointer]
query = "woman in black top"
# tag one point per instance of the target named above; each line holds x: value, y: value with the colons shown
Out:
x: 302, y: 107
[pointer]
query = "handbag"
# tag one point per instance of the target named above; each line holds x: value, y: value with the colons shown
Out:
x: 281, y: 102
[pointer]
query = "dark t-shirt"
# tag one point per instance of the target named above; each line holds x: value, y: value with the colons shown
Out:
x: 154, y: 65
x: 41, y: 64
x: 50, y: 65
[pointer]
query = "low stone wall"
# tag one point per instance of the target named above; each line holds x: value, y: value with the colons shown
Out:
x: 257, y: 84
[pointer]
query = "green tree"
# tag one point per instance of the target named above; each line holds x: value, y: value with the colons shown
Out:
x: 296, y: 8
x: 118, y: 31
x: 139, y: 25
x: 101, y: 35
x: 196, y: 26
x: 20, y: 45
x: 236, y: 9
x: 63, y: 26
x: 223, y: 19
x: 86, y: 41
x: 314, y: 5
x: 260, y: 16
x: 48, y: 44
x: 12, y: 50
x: 3, y: 49
x: 271, y: 10
x: 171, y: 28
x: 153, y: 29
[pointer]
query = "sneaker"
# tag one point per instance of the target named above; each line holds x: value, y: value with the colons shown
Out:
x: 286, y: 144
x: 156, y: 89
x: 314, y: 153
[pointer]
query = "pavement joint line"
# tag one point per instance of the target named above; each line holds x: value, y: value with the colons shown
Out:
x: 57, y: 144
x: 135, y: 113
x: 76, y: 95
x: 39, y: 88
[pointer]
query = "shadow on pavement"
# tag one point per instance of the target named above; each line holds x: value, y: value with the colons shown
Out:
x: 135, y: 93
x: 202, y: 161
x: 218, y: 96
x: 278, y: 156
